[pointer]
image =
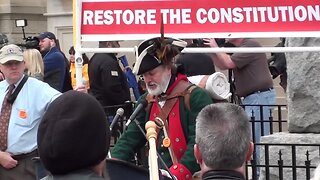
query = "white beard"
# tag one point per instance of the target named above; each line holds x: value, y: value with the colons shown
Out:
x: 162, y: 87
x: 154, y: 92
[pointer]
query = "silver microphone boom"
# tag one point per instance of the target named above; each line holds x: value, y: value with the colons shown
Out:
x: 140, y: 107
x: 119, y: 114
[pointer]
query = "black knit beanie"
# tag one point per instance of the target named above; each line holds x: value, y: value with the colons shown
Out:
x: 73, y: 133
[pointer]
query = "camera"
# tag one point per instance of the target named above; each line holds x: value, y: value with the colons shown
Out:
x: 220, y: 41
x: 200, y: 43
x: 32, y: 42
x: 277, y: 62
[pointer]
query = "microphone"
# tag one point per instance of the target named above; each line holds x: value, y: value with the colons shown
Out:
x: 119, y: 114
x: 141, y: 106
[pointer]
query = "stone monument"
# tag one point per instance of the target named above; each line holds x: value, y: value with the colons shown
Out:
x: 303, y: 97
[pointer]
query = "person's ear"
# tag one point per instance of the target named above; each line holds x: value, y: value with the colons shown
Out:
x: 250, y: 151
x: 51, y: 42
x: 197, y: 154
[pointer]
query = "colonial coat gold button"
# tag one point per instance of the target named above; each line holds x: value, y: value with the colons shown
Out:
x: 175, y: 167
x: 166, y: 142
x: 177, y: 139
x: 181, y: 170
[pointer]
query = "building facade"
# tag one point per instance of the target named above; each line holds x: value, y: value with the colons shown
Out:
x: 31, y: 10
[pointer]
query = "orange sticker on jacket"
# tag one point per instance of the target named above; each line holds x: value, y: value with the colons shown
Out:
x: 22, y: 114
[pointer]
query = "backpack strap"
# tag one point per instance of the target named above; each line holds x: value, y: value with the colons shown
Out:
x: 187, y: 96
x: 14, y: 95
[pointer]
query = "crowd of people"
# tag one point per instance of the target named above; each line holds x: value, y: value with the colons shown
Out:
x: 45, y: 113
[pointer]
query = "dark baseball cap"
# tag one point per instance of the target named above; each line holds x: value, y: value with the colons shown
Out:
x: 48, y: 35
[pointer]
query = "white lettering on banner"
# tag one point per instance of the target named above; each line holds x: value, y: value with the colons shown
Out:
x: 176, y: 16
x: 238, y: 18
x: 258, y: 14
x: 109, y: 17
x: 87, y: 17
x: 203, y: 15
x: 200, y: 16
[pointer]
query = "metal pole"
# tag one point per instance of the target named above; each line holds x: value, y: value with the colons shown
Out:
x: 211, y: 50
x: 77, y: 9
x: 24, y: 34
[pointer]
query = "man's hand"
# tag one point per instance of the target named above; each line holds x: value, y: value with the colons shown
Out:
x: 81, y: 88
x: 221, y: 60
x: 7, y: 161
x: 210, y: 42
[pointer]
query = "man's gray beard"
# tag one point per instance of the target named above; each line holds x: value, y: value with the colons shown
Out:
x: 160, y: 87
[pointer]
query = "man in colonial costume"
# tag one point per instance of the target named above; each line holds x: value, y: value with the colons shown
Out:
x: 173, y: 103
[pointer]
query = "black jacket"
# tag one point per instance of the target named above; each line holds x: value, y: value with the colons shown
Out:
x: 82, y: 174
x: 108, y: 83
x: 223, y: 175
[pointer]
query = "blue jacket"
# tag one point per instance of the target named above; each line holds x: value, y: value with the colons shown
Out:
x: 54, y: 69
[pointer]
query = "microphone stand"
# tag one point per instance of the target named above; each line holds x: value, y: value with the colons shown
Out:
x: 159, y: 157
x: 111, y: 129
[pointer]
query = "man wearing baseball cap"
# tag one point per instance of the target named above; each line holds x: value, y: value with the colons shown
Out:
x: 48, y: 35
x: 55, y: 64
x: 23, y: 101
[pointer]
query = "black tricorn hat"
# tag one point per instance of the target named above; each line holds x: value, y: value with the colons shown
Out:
x: 156, y: 51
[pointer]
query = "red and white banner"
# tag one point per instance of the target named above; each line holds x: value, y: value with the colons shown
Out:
x: 141, y: 19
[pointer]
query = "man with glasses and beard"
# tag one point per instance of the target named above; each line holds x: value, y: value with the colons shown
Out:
x: 172, y: 102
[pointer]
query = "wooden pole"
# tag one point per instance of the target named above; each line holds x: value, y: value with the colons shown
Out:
x: 153, y: 158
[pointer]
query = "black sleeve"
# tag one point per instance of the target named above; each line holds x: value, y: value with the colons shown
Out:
x: 114, y: 83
